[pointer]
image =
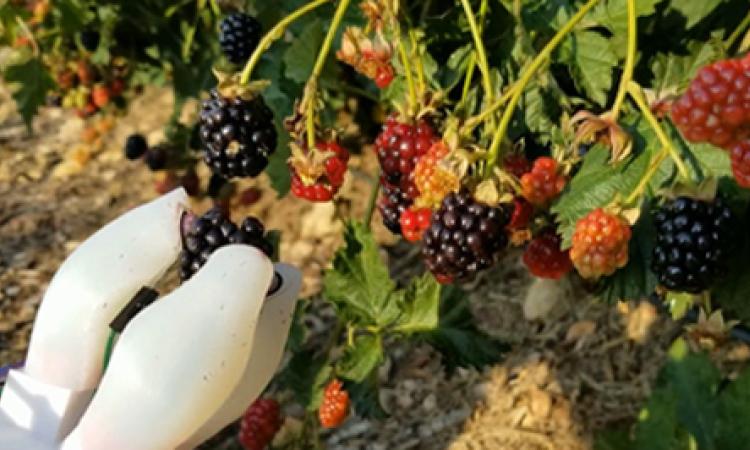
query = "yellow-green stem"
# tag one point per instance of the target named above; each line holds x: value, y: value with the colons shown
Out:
x: 273, y: 34
x: 371, y: 201
x: 422, y: 87
x: 479, y: 51
x: 737, y: 33
x: 654, y: 166
x: 494, y: 107
x: 627, y: 73
x: 409, y: 78
x: 311, y: 94
x: 635, y: 92
x: 497, y: 139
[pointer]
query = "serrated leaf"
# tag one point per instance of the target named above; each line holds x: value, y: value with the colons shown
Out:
x: 306, y: 375
x: 694, y: 379
x: 458, y: 339
x: 613, y: 15
x: 361, y: 359
x: 673, y: 71
x: 33, y: 84
x: 732, y: 432
x: 596, y: 185
x: 299, y: 58
x: 635, y: 280
x: 421, y: 306
x: 359, y: 284
x: 592, y: 63
x: 694, y: 11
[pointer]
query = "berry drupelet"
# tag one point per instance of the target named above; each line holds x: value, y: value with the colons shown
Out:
x: 239, y: 35
x: 238, y: 135
x: 691, y: 243
x: 214, y: 230
x: 464, y: 237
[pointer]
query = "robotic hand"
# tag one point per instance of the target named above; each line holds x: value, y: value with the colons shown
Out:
x: 183, y: 368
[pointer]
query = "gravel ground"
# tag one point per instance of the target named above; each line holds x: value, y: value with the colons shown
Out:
x: 577, y: 365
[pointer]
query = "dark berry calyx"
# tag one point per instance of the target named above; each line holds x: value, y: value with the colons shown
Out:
x: 692, y: 239
x: 214, y: 230
x: 238, y: 134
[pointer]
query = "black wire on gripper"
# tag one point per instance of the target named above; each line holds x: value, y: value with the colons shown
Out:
x: 144, y: 297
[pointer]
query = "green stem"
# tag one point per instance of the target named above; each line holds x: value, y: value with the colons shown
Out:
x: 471, y: 65
x: 275, y: 33
x: 627, y: 73
x: 479, y: 51
x: 325, y: 49
x: 479, y: 118
x: 653, y: 167
x: 538, y: 61
x: 110, y: 346
x: 371, y: 202
x: 422, y: 87
x: 409, y: 78
x: 732, y: 39
x: 635, y: 92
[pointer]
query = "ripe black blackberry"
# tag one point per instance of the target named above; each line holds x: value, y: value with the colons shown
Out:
x: 392, y: 203
x: 157, y: 157
x: 135, y: 146
x: 691, y: 243
x: 90, y: 39
x: 215, y: 185
x: 464, y: 237
x: 238, y: 135
x: 214, y: 230
x: 239, y: 34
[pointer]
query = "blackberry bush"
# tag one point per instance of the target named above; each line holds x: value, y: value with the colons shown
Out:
x: 692, y: 243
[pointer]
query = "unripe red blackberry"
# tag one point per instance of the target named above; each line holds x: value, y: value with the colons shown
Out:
x: 335, y: 406
x: 600, y: 244
x: 716, y: 106
x: 464, y: 237
x: 399, y: 146
x: 214, y: 230
x: 543, y: 183
x: 692, y: 242
x: 259, y: 424
x: 238, y: 135
x: 740, y: 155
x: 545, y: 259
x: 239, y: 35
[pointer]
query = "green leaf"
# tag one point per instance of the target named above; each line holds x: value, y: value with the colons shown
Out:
x: 359, y: 284
x: 694, y: 379
x: 306, y: 376
x: 657, y: 423
x: 733, y: 291
x: 694, y: 11
x: 592, y: 63
x: 421, y: 306
x: 361, y: 359
x: 458, y: 339
x: 612, y: 440
x: 613, y: 14
x: 596, y: 185
x: 33, y: 84
x: 674, y: 71
x: 635, y: 280
x: 732, y: 432
x: 299, y: 58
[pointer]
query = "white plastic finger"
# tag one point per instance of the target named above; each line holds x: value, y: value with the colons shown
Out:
x: 268, y: 348
x: 94, y: 283
x: 177, y: 361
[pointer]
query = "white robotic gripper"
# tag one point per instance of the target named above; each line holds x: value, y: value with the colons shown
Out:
x: 184, y: 368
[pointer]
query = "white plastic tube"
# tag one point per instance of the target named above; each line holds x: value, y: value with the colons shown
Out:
x: 178, y: 361
x: 268, y: 348
x: 94, y: 283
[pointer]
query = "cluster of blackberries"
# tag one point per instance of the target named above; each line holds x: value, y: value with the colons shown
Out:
x: 214, y: 230
x: 238, y: 135
x: 393, y: 202
x: 692, y: 239
x: 464, y: 237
